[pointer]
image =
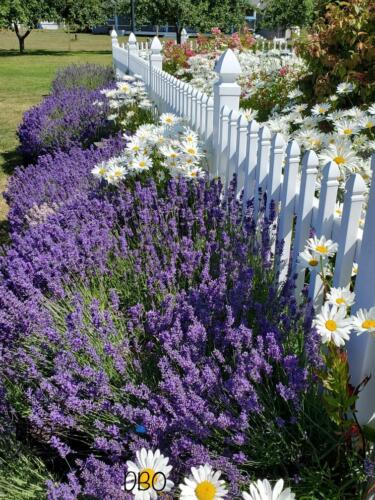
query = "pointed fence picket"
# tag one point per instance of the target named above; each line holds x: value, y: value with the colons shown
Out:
x: 264, y: 163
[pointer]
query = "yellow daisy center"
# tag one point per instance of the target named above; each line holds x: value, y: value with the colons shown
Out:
x: 191, y: 151
x: 313, y: 262
x: 142, y: 163
x: 339, y: 159
x: 102, y: 171
x: 321, y: 249
x: 348, y: 131
x: 136, y: 148
x: 117, y: 173
x: 169, y: 120
x: 369, y: 124
x: 331, y: 325
x: 316, y: 142
x: 146, y: 479
x: 340, y: 301
x: 368, y: 323
x: 322, y: 110
x: 205, y: 491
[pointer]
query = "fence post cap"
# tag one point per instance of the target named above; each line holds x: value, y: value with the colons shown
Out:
x: 183, y: 31
x: 293, y: 148
x: 228, y: 67
x: 265, y: 132
x: 242, y: 122
x: 278, y: 141
x: 234, y: 115
x: 156, y: 46
x: 331, y: 170
x: 356, y: 184
x: 132, y: 39
x: 253, y: 127
x: 113, y: 33
x: 310, y: 159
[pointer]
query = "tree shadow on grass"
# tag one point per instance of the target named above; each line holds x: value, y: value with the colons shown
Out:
x: 13, y: 52
x: 11, y: 160
x: 4, y: 236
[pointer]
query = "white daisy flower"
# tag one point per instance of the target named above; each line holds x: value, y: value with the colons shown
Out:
x: 333, y: 325
x: 168, y: 119
x: 355, y: 269
x: 203, y: 484
x: 339, y: 208
x: 364, y: 321
x: 115, y: 174
x: 336, y: 115
x: 100, y: 170
x: 135, y: 145
x: 249, y: 114
x: 347, y: 127
x: 169, y: 152
x: 141, y: 162
x: 190, y: 149
x: 344, y: 88
x: 341, y: 297
x: 299, y: 108
x: 112, y: 117
x: 189, y: 136
x: 194, y: 173
x: 341, y: 153
x: 321, y: 246
x: 333, y: 98
x: 320, y: 109
x: 371, y: 109
x: 262, y: 490
x: 310, y: 138
x: 148, y: 476
x: 307, y: 260
x: 368, y: 122
x: 293, y: 94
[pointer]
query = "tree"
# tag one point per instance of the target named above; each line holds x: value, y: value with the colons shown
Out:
x: 286, y: 13
x: 201, y: 15
x: 80, y: 15
x: 23, y: 16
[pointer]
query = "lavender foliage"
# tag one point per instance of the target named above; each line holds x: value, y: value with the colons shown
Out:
x: 89, y: 76
x: 37, y: 191
x: 162, y: 314
x: 62, y: 121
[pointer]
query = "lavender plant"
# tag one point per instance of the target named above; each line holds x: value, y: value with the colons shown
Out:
x: 37, y: 191
x: 162, y: 326
x: 62, y: 121
x: 88, y: 76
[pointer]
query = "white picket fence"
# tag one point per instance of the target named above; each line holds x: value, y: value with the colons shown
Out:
x: 263, y: 161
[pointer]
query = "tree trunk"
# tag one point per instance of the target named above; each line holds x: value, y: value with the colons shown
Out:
x: 21, y: 38
x: 178, y: 34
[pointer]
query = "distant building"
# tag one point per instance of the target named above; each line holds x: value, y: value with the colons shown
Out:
x: 48, y: 25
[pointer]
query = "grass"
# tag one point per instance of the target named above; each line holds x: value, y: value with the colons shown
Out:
x: 25, y: 79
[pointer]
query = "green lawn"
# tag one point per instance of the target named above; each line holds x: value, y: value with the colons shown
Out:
x: 25, y: 79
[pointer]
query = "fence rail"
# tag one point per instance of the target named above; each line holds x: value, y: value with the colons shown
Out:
x: 263, y: 161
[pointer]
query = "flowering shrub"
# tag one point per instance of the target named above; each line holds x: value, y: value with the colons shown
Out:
x: 176, y: 57
x: 89, y: 76
x: 62, y: 121
x: 340, y: 46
